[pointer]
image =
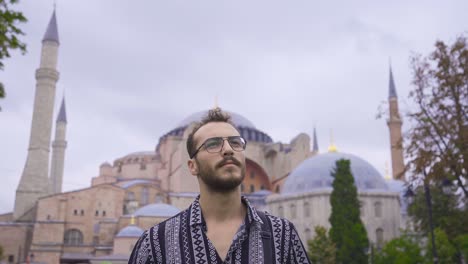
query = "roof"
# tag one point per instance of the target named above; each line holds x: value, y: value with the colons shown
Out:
x: 62, y: 116
x: 157, y: 210
x: 391, y: 86
x: 237, y: 119
x: 128, y: 184
x: 51, y: 33
x: 315, y: 173
x: 130, y: 231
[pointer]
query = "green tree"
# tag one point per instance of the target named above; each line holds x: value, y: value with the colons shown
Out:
x: 445, y: 250
x: 400, y: 250
x: 461, y: 243
x: 347, y: 230
x: 321, y: 249
x: 9, y: 33
x: 437, y: 141
x: 446, y: 212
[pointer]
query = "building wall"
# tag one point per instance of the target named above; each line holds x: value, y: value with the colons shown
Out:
x: 15, y: 239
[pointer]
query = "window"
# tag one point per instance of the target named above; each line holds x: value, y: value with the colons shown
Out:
x: 252, y: 174
x: 97, y: 213
x: 130, y: 196
x: 292, y: 209
x: 48, y: 217
x: 142, y: 166
x: 103, y: 213
x: 378, y: 209
x: 11, y: 258
x: 82, y: 212
x: 379, y: 237
x: 252, y: 188
x: 280, y: 211
x: 75, y: 212
x: 363, y: 209
x: 144, y: 196
x: 262, y: 187
x: 277, y: 188
x: 73, y: 237
x: 306, y: 209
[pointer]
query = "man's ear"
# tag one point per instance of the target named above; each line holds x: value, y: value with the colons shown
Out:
x: 193, y: 167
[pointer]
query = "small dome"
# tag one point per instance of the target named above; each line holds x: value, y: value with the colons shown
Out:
x: 130, y: 231
x: 237, y: 119
x: 315, y: 173
x: 157, y: 210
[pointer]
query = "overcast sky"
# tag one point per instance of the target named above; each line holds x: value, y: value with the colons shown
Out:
x: 132, y: 70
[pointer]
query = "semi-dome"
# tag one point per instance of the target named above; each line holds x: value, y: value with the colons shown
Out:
x: 157, y: 210
x: 130, y: 231
x: 315, y: 173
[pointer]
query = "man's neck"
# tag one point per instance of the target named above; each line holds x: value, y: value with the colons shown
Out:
x: 222, y: 206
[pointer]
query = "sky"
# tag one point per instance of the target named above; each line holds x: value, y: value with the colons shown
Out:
x: 132, y: 70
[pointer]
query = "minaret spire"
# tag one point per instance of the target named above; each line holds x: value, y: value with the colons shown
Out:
x: 315, y: 148
x: 58, y: 151
x: 394, y: 123
x: 34, y: 182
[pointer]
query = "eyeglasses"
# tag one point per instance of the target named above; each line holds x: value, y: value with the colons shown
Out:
x: 215, y: 144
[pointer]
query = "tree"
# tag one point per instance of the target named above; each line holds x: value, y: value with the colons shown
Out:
x: 461, y: 243
x: 321, y: 249
x: 437, y: 142
x: 347, y: 230
x: 400, y: 250
x: 447, y: 214
x: 445, y: 250
x: 9, y: 33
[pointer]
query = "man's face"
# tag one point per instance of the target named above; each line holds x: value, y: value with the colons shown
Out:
x: 222, y: 171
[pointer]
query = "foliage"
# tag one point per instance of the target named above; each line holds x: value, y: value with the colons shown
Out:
x: 446, y: 213
x: 445, y: 250
x: 461, y: 243
x: 437, y: 142
x: 347, y: 230
x: 400, y: 250
x: 321, y: 249
x: 9, y: 33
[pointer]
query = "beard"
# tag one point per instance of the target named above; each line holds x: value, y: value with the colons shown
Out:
x: 221, y: 183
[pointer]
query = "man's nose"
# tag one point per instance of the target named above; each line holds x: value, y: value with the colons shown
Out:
x: 227, y: 150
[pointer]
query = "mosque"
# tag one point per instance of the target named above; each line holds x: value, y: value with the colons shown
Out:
x: 101, y: 223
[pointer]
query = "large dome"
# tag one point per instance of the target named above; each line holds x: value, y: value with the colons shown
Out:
x: 157, y: 210
x: 237, y: 119
x: 315, y: 173
x: 246, y: 128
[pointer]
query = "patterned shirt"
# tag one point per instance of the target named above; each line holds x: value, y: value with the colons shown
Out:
x: 182, y: 239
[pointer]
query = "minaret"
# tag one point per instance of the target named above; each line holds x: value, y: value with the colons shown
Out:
x: 34, y: 180
x: 315, y: 147
x: 394, y: 124
x: 58, y: 151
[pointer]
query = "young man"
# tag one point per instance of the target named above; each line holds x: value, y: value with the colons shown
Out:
x: 220, y: 226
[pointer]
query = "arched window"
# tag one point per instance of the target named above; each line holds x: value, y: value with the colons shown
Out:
x: 280, y: 211
x: 379, y: 237
x: 378, y: 209
x: 292, y: 209
x: 306, y: 209
x: 73, y: 237
x: 308, y: 234
x: 252, y: 188
x: 144, y: 196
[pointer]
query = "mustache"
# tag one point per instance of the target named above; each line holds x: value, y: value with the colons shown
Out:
x: 228, y: 159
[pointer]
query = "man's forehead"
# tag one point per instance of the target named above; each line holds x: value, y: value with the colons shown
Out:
x: 215, y: 129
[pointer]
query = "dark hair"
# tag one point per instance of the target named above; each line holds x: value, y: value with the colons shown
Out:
x: 214, y: 115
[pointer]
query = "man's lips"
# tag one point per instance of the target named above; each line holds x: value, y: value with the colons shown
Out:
x: 229, y: 161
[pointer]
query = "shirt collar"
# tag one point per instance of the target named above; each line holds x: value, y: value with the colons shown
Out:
x: 196, y: 217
